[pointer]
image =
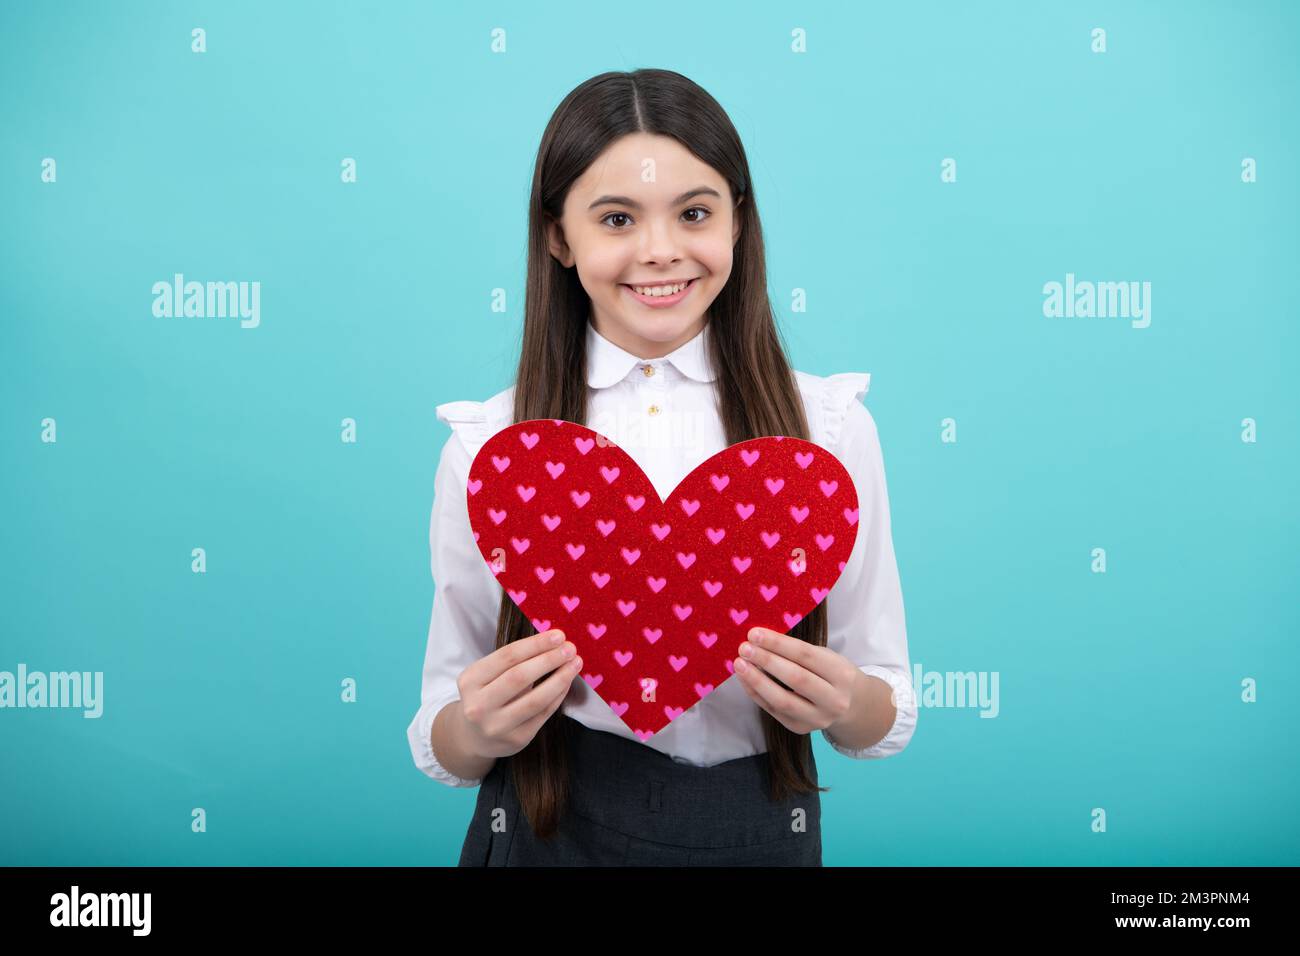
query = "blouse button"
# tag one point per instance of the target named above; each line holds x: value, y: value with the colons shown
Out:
x: 654, y: 409
x: 648, y: 369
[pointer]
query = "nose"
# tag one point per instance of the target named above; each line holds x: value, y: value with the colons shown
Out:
x: 659, y: 242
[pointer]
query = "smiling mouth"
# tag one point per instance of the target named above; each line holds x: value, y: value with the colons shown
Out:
x: 657, y: 287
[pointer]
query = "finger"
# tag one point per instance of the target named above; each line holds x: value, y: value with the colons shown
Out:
x: 542, y: 700
x: 521, y: 678
x: 819, y: 660
x: 487, y: 669
x: 774, y: 698
x: 799, y: 679
x: 531, y: 727
x: 546, y: 669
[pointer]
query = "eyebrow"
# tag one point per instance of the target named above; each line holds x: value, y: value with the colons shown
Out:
x: 684, y: 197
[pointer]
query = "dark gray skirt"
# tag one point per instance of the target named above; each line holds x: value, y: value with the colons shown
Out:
x: 630, y: 805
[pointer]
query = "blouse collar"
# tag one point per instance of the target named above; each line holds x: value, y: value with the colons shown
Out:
x: 608, y: 364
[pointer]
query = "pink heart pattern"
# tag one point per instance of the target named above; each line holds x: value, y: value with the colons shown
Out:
x: 658, y: 595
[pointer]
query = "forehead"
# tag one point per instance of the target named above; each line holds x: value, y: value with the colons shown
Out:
x: 645, y: 165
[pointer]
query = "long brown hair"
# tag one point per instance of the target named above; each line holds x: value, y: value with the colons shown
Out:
x: 756, y: 388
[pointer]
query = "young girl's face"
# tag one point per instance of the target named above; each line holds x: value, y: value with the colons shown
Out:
x: 648, y: 213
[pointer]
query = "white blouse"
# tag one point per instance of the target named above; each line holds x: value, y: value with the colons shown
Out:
x: 662, y: 413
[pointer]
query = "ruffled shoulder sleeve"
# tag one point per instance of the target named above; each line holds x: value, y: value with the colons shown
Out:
x: 839, y: 392
x: 469, y: 421
x: 475, y: 422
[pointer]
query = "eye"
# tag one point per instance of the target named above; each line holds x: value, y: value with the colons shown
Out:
x: 700, y: 209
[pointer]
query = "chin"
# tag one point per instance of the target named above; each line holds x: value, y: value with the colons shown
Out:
x: 661, y: 332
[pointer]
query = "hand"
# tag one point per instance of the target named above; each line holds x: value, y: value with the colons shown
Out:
x: 820, y: 682
x: 501, y: 709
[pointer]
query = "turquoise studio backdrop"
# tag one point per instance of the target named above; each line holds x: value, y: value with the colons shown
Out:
x: 1094, y: 516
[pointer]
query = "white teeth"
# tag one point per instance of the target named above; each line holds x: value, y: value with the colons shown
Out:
x: 655, y: 291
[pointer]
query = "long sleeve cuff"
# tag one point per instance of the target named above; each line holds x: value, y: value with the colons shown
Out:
x: 422, y: 749
x: 904, y: 719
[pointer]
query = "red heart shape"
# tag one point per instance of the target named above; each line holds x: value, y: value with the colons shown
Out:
x: 658, y: 596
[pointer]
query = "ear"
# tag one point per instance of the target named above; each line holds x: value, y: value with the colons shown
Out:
x: 735, y: 222
x: 557, y: 244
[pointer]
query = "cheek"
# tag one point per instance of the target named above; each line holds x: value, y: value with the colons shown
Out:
x: 717, y: 258
x: 599, y: 265
x: 608, y: 266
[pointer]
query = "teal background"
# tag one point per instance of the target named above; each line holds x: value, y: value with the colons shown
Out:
x: 1119, y: 691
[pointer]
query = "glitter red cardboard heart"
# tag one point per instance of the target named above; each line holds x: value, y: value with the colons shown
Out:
x: 658, y: 596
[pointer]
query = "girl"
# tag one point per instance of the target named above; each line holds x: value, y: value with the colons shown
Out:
x: 647, y: 319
